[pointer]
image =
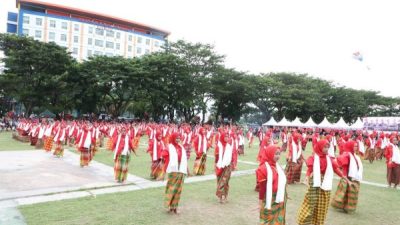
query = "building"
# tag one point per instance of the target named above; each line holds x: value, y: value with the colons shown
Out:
x: 84, y: 33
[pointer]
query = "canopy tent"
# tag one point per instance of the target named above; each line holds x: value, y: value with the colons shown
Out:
x: 296, y: 123
x: 284, y: 123
x: 341, y: 124
x: 357, y: 125
x: 271, y: 122
x: 325, y: 124
x: 310, y: 123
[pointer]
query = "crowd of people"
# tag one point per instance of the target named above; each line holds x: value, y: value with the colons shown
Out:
x: 170, y: 146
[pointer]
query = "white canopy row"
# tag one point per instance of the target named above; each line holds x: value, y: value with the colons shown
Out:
x: 340, y: 124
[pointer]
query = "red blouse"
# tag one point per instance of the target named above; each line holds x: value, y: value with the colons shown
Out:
x: 323, y: 164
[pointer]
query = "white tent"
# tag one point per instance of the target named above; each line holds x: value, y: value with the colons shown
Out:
x: 296, y: 123
x: 271, y: 122
x: 284, y: 123
x: 357, y: 125
x: 325, y: 124
x: 310, y: 123
x: 341, y: 124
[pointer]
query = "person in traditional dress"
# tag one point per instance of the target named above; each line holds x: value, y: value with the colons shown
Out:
x: 320, y: 169
x: 223, y: 165
x: 122, y: 150
x: 392, y: 155
x: 176, y: 166
x: 346, y: 196
x: 370, y: 152
x: 294, y: 159
x: 272, y: 181
x: 48, y: 137
x: 284, y: 139
x: 250, y: 136
x: 84, y: 143
x: 201, y: 146
x: 240, y: 142
x: 155, y: 149
x: 59, y: 140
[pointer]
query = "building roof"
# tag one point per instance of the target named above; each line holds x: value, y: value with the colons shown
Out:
x: 92, y: 14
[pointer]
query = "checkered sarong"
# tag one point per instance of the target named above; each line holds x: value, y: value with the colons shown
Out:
x: 48, y: 143
x: 314, y: 208
x: 157, y: 171
x: 274, y: 216
x: 85, y: 156
x: 121, y: 167
x: 109, y: 145
x: 200, y: 165
x: 393, y: 175
x: 293, y: 171
x: 173, y: 190
x: 346, y: 196
x: 223, y: 182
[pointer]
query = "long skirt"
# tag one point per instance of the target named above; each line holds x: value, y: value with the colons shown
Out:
x: 121, y: 164
x: 93, y: 150
x: 48, y: 143
x: 85, y: 156
x: 34, y: 140
x: 370, y: 155
x: 200, y: 165
x: 314, y: 208
x: 275, y: 215
x: 293, y: 171
x: 284, y: 147
x: 157, y: 171
x: 58, y: 151
x: 109, y: 144
x: 188, y: 149
x: 71, y: 142
x: 39, y: 144
x: 173, y: 190
x: 223, y: 182
x: 346, y: 196
x: 378, y: 153
x: 393, y: 175
x: 241, y: 150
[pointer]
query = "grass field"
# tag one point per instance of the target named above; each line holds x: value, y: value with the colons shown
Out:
x: 198, y: 204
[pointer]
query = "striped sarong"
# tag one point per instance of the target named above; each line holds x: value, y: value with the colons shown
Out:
x: 275, y: 215
x: 314, y: 208
x: 48, y: 143
x: 200, y: 165
x: 346, y: 196
x: 370, y: 155
x: 173, y: 190
x: 393, y: 175
x: 378, y: 153
x: 58, y: 151
x: 121, y: 167
x: 223, y: 182
x: 293, y: 171
x: 109, y: 144
x: 157, y: 171
x: 85, y: 156
x: 93, y: 150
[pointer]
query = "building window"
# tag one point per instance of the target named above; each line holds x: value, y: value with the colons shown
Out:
x: 139, y: 40
x: 130, y: 38
x: 147, y: 41
x: 25, y: 32
x: 89, y: 53
x: 90, y: 30
x: 117, y: 46
x: 139, y: 50
x: 63, y: 37
x: 38, y: 34
x: 99, y: 31
x: 129, y: 48
x: 76, y: 39
x: 98, y: 43
x: 109, y: 54
x: 26, y: 19
x: 110, y: 33
x: 97, y: 53
x: 39, y: 21
x: 109, y: 44
x: 64, y: 25
x: 89, y: 41
x: 147, y: 51
x: 52, y: 36
x: 156, y: 43
x: 52, y: 23
x: 75, y: 51
x: 118, y: 35
x: 76, y: 27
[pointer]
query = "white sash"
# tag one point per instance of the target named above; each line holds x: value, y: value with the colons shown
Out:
x: 280, y: 195
x: 224, y: 159
x: 396, y: 154
x: 173, y: 165
x: 327, y: 183
x: 354, y: 172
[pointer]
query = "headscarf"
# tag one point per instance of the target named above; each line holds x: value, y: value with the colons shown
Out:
x: 319, y: 147
x: 268, y: 154
x: 222, y: 138
x: 172, y: 139
x: 349, y: 146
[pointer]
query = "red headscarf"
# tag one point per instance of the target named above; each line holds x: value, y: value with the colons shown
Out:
x: 392, y: 138
x: 222, y: 138
x: 349, y: 146
x: 268, y: 154
x: 319, y: 147
x: 173, y: 137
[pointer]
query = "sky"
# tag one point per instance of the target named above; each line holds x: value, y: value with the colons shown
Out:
x: 262, y: 36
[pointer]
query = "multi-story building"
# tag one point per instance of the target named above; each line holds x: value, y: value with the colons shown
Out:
x: 84, y: 33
